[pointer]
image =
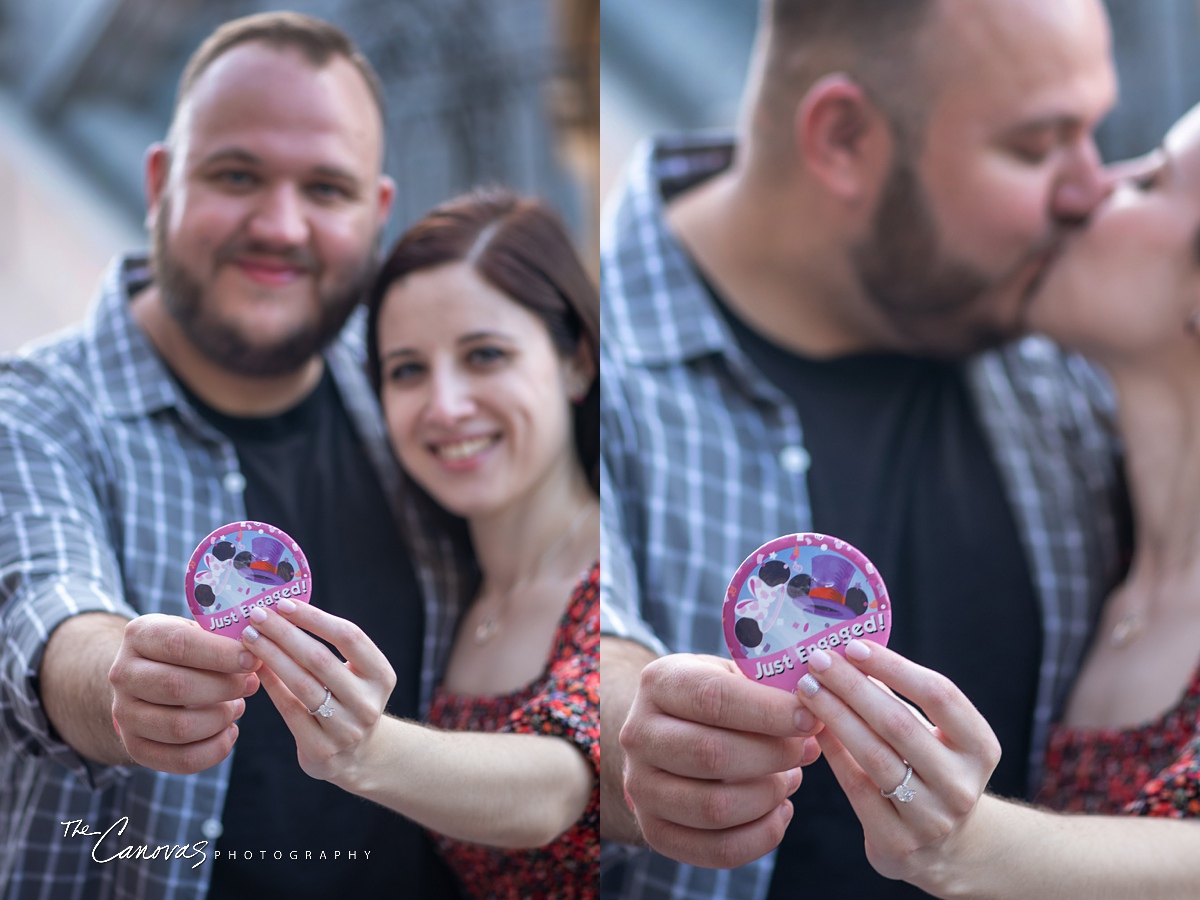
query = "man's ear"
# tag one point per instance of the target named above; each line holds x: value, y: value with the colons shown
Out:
x: 157, y: 172
x: 842, y: 137
x: 387, y: 194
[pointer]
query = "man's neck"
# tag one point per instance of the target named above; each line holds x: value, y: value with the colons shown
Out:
x: 781, y: 270
x: 226, y: 392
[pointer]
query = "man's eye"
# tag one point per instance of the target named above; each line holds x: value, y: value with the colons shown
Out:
x: 325, y: 191
x: 236, y: 178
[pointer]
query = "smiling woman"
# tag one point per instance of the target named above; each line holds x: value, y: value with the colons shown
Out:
x: 483, y: 335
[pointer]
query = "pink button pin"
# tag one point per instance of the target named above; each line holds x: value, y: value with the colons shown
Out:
x: 240, y: 566
x: 796, y: 593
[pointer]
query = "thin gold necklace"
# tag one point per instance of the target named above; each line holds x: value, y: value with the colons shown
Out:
x: 490, y: 623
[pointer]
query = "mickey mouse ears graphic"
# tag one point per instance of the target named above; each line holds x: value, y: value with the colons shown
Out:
x: 797, y: 592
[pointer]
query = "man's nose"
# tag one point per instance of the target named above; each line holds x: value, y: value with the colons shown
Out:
x: 279, y: 219
x: 1083, y: 185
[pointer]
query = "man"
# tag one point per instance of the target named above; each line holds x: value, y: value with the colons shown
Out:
x: 797, y: 338
x: 210, y: 386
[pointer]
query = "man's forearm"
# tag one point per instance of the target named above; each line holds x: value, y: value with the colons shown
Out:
x: 621, y: 664
x: 74, y: 686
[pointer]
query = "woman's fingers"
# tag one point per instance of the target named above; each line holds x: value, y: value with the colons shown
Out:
x: 885, y: 737
x: 359, y: 650
x: 294, y: 712
x: 875, y: 727
x: 305, y: 665
x: 949, y: 709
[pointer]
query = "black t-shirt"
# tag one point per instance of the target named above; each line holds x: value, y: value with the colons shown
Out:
x: 900, y: 469
x: 307, y: 472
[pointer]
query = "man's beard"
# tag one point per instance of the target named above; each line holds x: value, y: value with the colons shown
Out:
x: 184, y: 298
x: 928, y: 299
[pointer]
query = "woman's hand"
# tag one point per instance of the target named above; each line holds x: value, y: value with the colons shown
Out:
x: 871, y: 737
x: 297, y: 673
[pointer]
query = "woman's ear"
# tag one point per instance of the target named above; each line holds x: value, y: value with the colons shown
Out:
x: 581, y: 372
x: 842, y: 137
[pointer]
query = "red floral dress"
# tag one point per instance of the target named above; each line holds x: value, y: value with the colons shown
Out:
x: 1152, y: 770
x: 564, y: 701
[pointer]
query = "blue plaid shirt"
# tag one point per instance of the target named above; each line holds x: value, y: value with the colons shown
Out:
x: 108, y: 480
x: 703, y: 459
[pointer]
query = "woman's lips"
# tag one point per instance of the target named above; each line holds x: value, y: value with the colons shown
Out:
x: 463, y: 450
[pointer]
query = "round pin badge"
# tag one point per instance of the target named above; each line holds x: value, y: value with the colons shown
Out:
x: 239, y: 566
x: 798, y: 592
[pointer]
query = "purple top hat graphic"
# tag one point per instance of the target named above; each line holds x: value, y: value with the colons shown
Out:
x: 832, y: 571
x: 262, y: 563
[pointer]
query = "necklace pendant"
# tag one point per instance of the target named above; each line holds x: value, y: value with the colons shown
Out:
x: 1126, y: 628
x: 486, y: 629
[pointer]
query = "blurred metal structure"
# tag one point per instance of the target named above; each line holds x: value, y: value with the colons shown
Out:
x: 467, y: 81
x: 681, y: 64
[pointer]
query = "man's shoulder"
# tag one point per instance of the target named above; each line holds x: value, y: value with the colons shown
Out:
x: 53, y: 369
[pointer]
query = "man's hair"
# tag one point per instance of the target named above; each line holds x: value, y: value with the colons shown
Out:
x: 317, y: 40
x: 875, y: 42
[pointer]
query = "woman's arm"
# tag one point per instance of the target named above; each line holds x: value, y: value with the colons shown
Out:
x: 505, y: 790
x: 952, y: 840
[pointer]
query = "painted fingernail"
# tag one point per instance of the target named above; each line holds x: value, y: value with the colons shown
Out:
x: 285, y: 605
x: 808, y: 684
x: 819, y: 660
x: 805, y: 721
x: 258, y: 614
x: 251, y: 633
x: 857, y: 649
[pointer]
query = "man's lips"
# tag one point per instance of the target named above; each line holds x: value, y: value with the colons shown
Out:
x: 272, y: 273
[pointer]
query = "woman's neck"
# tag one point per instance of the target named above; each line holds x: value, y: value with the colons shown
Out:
x: 541, y: 534
x: 1159, y: 414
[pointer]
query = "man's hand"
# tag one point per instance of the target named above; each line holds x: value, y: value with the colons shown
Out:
x: 711, y: 758
x: 177, y: 692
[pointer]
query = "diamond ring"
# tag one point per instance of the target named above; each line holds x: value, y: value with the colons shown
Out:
x: 325, y: 711
x: 901, y: 792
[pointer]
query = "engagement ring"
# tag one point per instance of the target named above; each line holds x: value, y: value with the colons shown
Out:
x: 325, y: 711
x: 901, y: 792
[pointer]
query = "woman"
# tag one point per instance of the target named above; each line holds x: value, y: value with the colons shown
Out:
x: 482, y: 330
x: 1126, y: 292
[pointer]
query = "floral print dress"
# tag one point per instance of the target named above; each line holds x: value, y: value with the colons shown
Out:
x: 565, y: 702
x: 1151, y: 770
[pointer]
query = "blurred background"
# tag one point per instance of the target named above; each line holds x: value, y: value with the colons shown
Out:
x: 680, y: 64
x: 479, y: 91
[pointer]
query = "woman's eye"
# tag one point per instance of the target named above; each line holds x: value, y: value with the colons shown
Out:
x: 486, y: 356
x: 404, y: 372
x: 1147, y: 180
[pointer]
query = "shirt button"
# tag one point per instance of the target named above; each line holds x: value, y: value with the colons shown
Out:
x: 794, y: 459
x: 212, y: 829
x: 234, y: 482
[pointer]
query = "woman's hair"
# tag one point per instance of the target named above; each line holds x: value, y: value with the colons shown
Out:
x: 519, y: 246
